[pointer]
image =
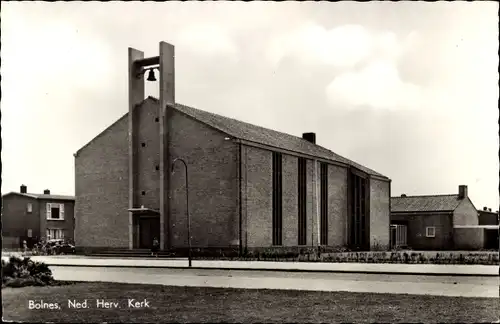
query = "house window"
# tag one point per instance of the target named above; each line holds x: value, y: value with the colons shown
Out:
x: 55, y: 233
x: 277, y: 199
x: 430, y: 231
x: 324, y: 204
x: 55, y: 211
x: 302, y: 196
x: 29, y: 207
x: 30, y: 232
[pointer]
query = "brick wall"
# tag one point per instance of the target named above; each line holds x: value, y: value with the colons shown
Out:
x: 257, y: 200
x: 337, y: 206
x: 468, y: 238
x: 379, y: 213
x: 465, y: 214
x: 416, y: 230
x: 213, y: 184
x: 488, y: 218
x: 101, y: 170
x: 258, y: 196
x: 290, y: 200
x: 16, y: 220
x: 148, y: 156
x: 312, y: 216
x: 101, y: 189
x: 15, y: 217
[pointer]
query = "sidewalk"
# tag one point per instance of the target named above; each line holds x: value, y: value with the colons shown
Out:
x: 423, y: 285
x: 387, y: 268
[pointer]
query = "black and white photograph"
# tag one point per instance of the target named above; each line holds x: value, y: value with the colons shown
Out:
x: 250, y: 162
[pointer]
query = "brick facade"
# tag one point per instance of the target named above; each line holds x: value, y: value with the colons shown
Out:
x: 230, y: 188
x: 290, y: 200
x: 416, y: 230
x: 101, y: 189
x: 380, y: 213
x: 467, y: 238
x: 17, y: 220
x: 258, y: 196
x: 337, y: 205
x: 213, y: 184
x: 67, y: 225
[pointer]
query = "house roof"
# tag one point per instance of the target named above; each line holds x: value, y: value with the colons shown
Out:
x: 265, y: 136
x: 41, y: 196
x: 433, y: 203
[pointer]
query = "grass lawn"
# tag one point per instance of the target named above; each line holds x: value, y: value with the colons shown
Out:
x: 187, y: 304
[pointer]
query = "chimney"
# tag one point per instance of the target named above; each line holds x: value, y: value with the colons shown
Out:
x: 46, y: 192
x: 310, y: 137
x: 462, y: 192
x: 403, y: 195
x: 24, y: 189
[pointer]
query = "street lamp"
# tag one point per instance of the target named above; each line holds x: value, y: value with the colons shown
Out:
x: 187, y: 205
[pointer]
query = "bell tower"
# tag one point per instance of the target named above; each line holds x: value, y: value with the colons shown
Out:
x: 138, y: 66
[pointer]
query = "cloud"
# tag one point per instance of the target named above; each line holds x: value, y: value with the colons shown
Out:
x: 343, y: 46
x: 55, y: 52
x: 209, y: 39
x: 378, y: 85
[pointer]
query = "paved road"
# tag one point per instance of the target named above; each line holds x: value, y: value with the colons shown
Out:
x: 443, y: 269
x: 377, y: 283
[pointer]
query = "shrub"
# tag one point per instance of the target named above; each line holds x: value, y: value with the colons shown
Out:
x: 19, y: 272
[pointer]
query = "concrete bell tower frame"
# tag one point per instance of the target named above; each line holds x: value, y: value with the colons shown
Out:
x: 137, y: 66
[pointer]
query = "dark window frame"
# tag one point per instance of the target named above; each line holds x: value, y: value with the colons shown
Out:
x: 302, y: 201
x: 277, y: 198
x: 324, y: 204
x: 58, y: 213
x: 359, y: 210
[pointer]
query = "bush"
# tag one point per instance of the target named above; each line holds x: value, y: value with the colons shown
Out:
x: 24, y: 272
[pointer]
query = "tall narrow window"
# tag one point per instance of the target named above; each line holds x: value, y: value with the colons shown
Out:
x: 359, y: 211
x: 324, y: 204
x: 302, y: 185
x: 277, y: 199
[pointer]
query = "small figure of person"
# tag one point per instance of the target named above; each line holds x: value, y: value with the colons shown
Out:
x: 155, y: 248
x: 25, y: 246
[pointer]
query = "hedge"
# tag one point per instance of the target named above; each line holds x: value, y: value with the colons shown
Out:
x: 23, y: 272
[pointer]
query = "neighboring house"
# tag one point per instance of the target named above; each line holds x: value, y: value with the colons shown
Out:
x: 249, y: 187
x: 30, y: 216
x: 489, y: 219
x: 437, y: 222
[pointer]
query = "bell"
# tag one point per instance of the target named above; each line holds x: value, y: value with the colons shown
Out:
x: 151, y: 75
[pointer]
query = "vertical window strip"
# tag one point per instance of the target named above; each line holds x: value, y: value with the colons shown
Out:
x: 363, y: 211
x: 277, y: 199
x: 280, y: 210
x: 302, y: 231
x: 324, y: 203
x: 358, y: 195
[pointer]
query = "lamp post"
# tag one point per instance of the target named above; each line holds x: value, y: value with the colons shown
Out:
x: 187, y: 205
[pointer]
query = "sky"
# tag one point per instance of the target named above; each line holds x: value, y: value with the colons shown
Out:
x: 409, y: 89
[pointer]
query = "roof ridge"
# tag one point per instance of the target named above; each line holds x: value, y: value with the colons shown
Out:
x: 341, y: 158
x: 242, y: 121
